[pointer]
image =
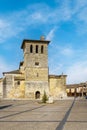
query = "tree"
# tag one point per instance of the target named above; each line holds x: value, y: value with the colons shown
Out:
x: 44, y: 97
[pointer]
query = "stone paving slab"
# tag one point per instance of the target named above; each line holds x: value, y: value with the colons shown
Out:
x: 28, y: 125
x: 75, y: 126
x: 78, y: 117
x: 31, y: 115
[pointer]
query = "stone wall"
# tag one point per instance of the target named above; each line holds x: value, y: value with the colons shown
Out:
x: 36, y: 68
x: 8, y: 84
x: 36, y: 74
x: 57, y: 86
x: 18, y: 91
x: 32, y: 78
x: 36, y: 86
x: 1, y: 88
x: 13, y: 88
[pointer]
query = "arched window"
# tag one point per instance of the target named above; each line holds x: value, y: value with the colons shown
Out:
x: 41, y: 49
x: 31, y: 49
x: 36, y: 48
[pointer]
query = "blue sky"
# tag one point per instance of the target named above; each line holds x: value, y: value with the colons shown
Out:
x: 63, y: 22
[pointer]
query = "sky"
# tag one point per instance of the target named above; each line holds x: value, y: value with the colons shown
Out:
x: 63, y: 22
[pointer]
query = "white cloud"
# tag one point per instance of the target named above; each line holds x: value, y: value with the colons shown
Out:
x: 82, y: 15
x: 39, y: 14
x: 80, y: 4
x: 8, y: 29
x: 4, y: 26
x: 67, y: 51
x: 38, y: 17
x: 77, y: 72
x: 55, y: 68
x: 4, y: 66
x: 50, y: 35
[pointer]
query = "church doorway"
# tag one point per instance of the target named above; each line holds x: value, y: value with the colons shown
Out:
x: 37, y: 95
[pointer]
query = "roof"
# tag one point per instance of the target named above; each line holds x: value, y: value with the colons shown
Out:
x: 13, y: 72
x: 72, y: 85
x: 57, y: 76
x: 1, y: 79
x: 19, y: 78
x: 21, y: 63
x: 35, y: 41
x: 76, y: 85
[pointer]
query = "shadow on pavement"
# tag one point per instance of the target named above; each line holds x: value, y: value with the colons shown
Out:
x: 3, y: 107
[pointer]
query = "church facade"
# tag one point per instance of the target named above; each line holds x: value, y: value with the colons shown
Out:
x: 32, y: 78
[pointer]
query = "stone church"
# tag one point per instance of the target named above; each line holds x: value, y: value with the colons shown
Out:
x: 32, y: 78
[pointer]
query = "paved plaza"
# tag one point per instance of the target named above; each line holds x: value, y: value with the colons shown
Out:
x: 70, y: 114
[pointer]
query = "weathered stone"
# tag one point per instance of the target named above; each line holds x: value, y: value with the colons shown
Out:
x: 50, y: 100
x: 32, y: 78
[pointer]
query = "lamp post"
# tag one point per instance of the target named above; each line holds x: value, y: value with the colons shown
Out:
x: 82, y: 91
x: 86, y: 88
x: 75, y: 92
x: 82, y: 85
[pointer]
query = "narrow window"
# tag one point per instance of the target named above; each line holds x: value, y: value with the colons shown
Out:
x: 36, y: 63
x: 36, y: 48
x: 31, y: 48
x: 41, y: 49
x: 18, y: 83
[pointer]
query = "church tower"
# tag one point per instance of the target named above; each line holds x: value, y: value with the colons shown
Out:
x: 36, y: 67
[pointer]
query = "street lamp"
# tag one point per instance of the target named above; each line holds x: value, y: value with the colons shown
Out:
x: 86, y: 88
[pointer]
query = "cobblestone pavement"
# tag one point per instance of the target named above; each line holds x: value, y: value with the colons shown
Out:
x: 31, y: 115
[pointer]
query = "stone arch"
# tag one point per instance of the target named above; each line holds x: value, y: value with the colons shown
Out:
x: 37, y: 95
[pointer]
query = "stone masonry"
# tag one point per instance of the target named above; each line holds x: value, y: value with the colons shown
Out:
x: 32, y: 78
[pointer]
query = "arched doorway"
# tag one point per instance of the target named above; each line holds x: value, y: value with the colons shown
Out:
x: 37, y: 95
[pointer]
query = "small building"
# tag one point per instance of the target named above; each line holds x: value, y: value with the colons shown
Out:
x: 1, y: 88
x: 76, y: 90
x: 32, y: 78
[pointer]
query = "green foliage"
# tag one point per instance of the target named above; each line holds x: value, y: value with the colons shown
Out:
x: 44, y: 98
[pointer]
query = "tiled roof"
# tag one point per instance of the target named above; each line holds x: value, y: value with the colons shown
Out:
x: 1, y: 79
x: 12, y: 72
x: 35, y: 41
x: 19, y: 78
x: 57, y: 76
x: 76, y: 85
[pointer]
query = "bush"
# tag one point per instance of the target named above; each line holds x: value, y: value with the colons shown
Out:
x: 44, y: 97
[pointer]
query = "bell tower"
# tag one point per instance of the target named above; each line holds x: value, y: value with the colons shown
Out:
x: 36, y: 67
